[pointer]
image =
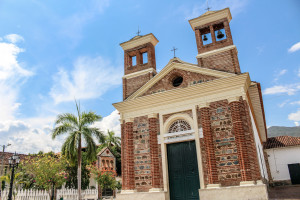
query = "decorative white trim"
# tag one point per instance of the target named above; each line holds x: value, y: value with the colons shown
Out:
x: 213, y: 186
x: 155, y: 190
x: 209, y: 53
x: 188, y: 132
x: 139, y: 73
x: 203, y: 105
x: 180, y: 138
x: 210, y: 16
x: 247, y: 183
x: 129, y: 120
x: 174, y: 117
x: 153, y: 115
x: 137, y: 41
x: 128, y: 191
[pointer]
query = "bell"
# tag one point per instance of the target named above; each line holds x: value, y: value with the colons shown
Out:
x: 204, y: 38
x: 220, y: 35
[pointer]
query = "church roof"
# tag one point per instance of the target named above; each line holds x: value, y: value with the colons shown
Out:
x: 139, y: 40
x: 282, y: 141
x: 105, y: 152
x: 176, y: 63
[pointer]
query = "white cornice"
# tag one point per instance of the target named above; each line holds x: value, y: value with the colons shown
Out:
x: 210, y: 17
x: 176, y: 63
x: 137, y: 41
x: 209, y: 53
x: 139, y: 73
x: 214, y: 90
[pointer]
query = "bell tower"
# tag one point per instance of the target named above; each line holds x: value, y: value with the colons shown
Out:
x: 139, y: 62
x: 214, y: 41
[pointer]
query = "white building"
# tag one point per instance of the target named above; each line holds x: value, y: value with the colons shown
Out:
x: 283, y: 155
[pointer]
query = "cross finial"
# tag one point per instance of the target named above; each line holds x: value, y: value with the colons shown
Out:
x: 139, y: 31
x: 208, y: 8
x: 174, y: 49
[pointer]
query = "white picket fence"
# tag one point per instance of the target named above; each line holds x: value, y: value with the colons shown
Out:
x: 67, y: 194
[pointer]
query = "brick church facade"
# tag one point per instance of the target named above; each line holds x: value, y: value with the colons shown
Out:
x: 191, y: 131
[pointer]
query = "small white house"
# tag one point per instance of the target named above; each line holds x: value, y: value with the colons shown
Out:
x: 283, y: 154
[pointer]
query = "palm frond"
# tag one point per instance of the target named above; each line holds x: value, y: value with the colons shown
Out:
x: 69, y: 147
x: 62, y: 129
x: 89, y: 118
x: 67, y: 118
x: 91, y: 148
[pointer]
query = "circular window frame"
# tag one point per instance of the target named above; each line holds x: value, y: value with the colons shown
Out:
x: 177, y: 81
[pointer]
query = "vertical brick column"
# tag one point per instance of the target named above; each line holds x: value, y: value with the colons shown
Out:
x: 123, y: 155
x: 212, y: 32
x: 198, y: 39
x: 129, y: 157
x: 155, y: 171
x: 209, y: 145
x: 238, y: 130
x: 227, y: 31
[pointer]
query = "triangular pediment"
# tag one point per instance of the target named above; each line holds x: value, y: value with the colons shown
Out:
x: 192, y: 74
x: 105, y: 152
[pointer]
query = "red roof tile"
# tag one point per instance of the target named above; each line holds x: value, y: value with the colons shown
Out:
x: 281, y: 141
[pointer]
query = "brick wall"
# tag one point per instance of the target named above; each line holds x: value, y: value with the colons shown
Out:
x: 133, y: 84
x: 226, y: 61
x: 233, y: 144
x: 189, y: 78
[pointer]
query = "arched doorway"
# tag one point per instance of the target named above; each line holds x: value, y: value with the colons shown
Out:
x: 182, y: 165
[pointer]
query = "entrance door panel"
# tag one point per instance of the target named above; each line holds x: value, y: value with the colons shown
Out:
x: 183, y: 171
x: 294, y: 170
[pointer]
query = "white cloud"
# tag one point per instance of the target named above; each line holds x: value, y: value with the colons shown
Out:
x: 236, y: 6
x: 294, y: 116
x: 111, y: 122
x: 296, y: 123
x: 295, y: 103
x: 281, y: 105
x: 279, y: 74
x: 290, y: 89
x: 89, y: 79
x: 12, y: 76
x: 14, y: 38
x: 294, y: 48
x: 26, y: 139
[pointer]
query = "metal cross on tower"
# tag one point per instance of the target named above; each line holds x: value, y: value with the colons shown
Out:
x: 208, y: 8
x: 139, y: 31
x: 174, y: 49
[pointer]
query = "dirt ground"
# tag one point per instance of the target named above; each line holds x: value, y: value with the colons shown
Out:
x: 291, y: 192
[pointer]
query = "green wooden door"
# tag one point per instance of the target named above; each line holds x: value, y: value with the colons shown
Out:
x: 183, y: 171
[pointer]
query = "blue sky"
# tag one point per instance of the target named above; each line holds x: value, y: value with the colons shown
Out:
x: 53, y: 51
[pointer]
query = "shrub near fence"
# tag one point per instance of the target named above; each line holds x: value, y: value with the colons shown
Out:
x: 67, y: 194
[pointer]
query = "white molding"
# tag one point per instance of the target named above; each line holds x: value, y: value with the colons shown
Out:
x: 210, y: 16
x: 216, y: 51
x: 137, y: 41
x: 139, y: 73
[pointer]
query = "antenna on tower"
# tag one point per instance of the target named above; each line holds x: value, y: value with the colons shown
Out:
x: 139, y: 31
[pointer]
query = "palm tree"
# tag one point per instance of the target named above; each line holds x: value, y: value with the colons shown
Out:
x: 78, y: 129
x: 112, y: 140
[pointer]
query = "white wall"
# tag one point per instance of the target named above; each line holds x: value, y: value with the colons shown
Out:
x: 279, y: 158
x: 259, y: 150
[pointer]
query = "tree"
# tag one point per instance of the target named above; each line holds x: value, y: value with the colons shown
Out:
x: 78, y: 128
x: 85, y: 174
x: 16, y: 181
x: 112, y: 140
x: 47, y: 171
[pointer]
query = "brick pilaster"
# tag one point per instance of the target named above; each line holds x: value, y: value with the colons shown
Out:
x: 129, y: 177
x: 155, y: 171
x: 238, y: 130
x: 123, y: 149
x: 213, y: 35
x: 209, y: 146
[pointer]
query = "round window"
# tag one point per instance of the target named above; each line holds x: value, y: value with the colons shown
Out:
x: 177, y: 81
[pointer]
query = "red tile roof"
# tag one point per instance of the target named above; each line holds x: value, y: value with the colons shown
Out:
x: 281, y: 141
